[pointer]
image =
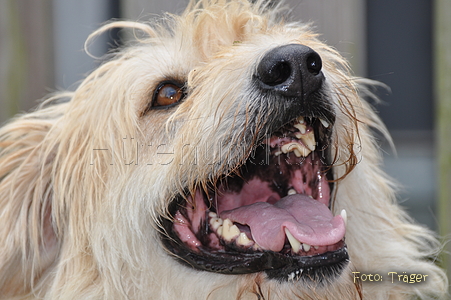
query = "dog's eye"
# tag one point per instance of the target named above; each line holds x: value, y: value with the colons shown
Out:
x: 167, y: 94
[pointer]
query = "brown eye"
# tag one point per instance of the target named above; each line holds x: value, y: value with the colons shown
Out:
x: 167, y: 94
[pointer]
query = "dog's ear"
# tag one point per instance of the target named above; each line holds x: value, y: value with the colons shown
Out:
x: 28, y: 242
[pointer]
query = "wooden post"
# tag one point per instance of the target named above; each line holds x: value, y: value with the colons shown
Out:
x: 442, y: 86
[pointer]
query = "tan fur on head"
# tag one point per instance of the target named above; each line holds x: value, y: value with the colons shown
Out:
x: 84, y: 183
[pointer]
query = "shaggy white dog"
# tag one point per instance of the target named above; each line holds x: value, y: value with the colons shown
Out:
x: 224, y: 154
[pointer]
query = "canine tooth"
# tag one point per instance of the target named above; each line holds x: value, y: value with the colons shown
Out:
x: 243, y: 240
x: 306, y: 247
x: 220, y: 230
x: 292, y: 192
x: 301, y: 127
x: 229, y: 231
x: 291, y: 276
x: 301, y: 120
x: 344, y: 215
x: 316, y: 247
x: 324, y: 122
x: 309, y: 140
x: 278, y: 153
x: 295, y: 244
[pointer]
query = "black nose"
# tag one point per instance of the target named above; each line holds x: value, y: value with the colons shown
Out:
x: 291, y: 70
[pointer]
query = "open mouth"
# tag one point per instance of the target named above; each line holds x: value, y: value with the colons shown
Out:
x: 271, y: 215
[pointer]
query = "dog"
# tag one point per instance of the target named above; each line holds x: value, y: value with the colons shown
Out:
x: 222, y: 154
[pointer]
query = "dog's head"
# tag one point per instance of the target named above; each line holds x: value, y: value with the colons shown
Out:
x: 225, y: 145
x: 262, y: 124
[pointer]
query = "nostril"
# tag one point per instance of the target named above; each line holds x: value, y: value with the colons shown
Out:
x: 276, y: 74
x: 291, y: 70
x: 314, y: 63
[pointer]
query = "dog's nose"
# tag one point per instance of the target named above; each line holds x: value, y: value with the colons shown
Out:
x: 292, y: 70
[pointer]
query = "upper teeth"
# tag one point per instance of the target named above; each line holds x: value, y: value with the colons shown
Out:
x: 301, y: 127
x: 306, y: 136
x: 298, y: 149
x: 308, y: 139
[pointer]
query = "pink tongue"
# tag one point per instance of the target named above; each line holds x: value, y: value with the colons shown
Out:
x: 308, y: 220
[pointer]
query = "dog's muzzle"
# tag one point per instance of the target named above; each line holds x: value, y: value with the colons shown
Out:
x: 272, y: 214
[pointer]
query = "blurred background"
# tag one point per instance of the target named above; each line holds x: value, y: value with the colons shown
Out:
x: 404, y: 44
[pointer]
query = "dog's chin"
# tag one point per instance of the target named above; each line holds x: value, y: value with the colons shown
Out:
x: 271, y: 214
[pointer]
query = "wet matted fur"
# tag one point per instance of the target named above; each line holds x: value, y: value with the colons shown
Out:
x: 113, y: 191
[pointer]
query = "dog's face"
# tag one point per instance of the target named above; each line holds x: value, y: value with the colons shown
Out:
x: 219, y: 157
x: 259, y: 201
x: 238, y: 143
x: 249, y: 122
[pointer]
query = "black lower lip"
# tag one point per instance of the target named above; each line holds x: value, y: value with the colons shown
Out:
x: 276, y: 265
x: 313, y: 268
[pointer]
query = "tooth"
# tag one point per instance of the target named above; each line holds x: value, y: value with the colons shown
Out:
x: 295, y: 244
x: 306, y: 247
x: 304, y: 151
x: 243, y: 240
x: 301, y: 120
x: 229, y: 231
x: 284, y: 148
x: 256, y: 247
x: 301, y: 127
x: 309, y: 140
x: 325, y: 123
x: 215, y: 223
x: 344, y: 215
x: 219, y: 230
x: 297, y: 153
x: 300, y: 150
x: 278, y: 153
x: 287, y: 147
x: 316, y: 247
x: 212, y: 215
x: 292, y: 192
